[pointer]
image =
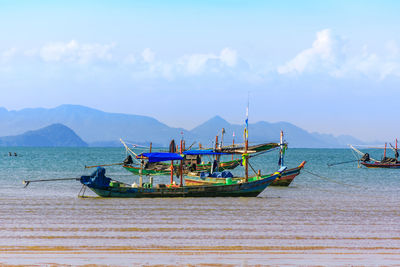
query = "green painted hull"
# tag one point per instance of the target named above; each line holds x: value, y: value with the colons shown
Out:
x: 285, y: 180
x: 249, y: 189
x: 226, y: 165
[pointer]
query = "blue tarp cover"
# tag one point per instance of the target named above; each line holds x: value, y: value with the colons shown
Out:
x: 160, y: 156
x: 96, y: 179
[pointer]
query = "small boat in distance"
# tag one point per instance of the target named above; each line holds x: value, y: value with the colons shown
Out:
x: 385, y: 162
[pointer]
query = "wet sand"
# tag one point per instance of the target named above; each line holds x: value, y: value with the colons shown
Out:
x: 278, y: 229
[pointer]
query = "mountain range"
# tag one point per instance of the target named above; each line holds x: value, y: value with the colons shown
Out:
x: 99, y: 128
x: 55, y: 135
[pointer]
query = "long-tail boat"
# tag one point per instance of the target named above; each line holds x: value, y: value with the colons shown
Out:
x: 218, y: 178
x: 385, y: 162
x: 106, y: 187
x: 192, y: 161
x: 164, y: 168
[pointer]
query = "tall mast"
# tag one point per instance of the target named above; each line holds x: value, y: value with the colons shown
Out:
x: 384, y: 152
x: 181, y: 166
x: 246, y: 142
x: 282, y: 150
x: 233, y: 142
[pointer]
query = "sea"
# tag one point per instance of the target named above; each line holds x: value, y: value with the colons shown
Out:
x: 339, y: 215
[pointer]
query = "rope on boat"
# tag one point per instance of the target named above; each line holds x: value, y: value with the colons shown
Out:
x: 333, y: 164
x: 252, y: 168
x: 129, y: 150
x: 263, y: 152
x: 331, y: 180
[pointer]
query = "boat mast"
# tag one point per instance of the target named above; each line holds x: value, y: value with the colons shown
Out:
x: 384, y: 152
x: 233, y: 142
x: 222, y: 137
x: 281, y: 152
x: 172, y: 150
x: 246, y: 143
x: 181, y: 166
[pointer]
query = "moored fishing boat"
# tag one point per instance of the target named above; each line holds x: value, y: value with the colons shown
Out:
x: 285, y: 180
x: 164, y: 168
x: 385, y: 162
x: 106, y: 187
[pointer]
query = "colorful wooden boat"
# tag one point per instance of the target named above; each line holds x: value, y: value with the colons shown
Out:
x: 165, y: 169
x: 235, y: 149
x: 379, y: 164
x: 106, y: 187
x: 286, y: 178
x: 385, y: 162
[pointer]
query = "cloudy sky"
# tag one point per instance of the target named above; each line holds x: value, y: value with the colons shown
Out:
x: 326, y: 66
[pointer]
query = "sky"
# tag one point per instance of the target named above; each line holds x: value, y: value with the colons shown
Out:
x: 326, y: 66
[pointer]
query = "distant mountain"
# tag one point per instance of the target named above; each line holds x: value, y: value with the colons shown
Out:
x: 100, y: 128
x: 55, y: 135
x: 90, y: 124
x: 266, y: 132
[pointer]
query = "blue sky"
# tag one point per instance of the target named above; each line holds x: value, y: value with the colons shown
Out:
x: 326, y: 66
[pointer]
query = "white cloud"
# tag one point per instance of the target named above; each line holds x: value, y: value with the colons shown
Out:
x: 148, y: 55
x: 75, y: 52
x: 8, y: 54
x: 325, y: 54
x: 229, y: 57
x: 196, y: 64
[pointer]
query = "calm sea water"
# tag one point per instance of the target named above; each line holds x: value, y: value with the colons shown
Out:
x: 344, y: 216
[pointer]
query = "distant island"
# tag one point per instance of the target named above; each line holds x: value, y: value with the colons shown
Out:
x: 55, y: 135
x: 88, y: 126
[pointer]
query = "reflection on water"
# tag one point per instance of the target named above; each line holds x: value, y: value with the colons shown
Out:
x: 312, y: 222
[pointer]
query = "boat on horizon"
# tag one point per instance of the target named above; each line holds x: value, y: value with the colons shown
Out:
x: 386, y: 162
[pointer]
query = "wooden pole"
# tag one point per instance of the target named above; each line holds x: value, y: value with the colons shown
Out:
x: 233, y: 143
x: 216, y: 146
x: 151, y: 144
x: 384, y: 152
x: 141, y: 171
x: 172, y: 171
x: 222, y: 137
x: 281, y: 152
x: 181, y: 167
x: 246, y: 165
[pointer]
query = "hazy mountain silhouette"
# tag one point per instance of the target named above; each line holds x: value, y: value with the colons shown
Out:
x: 55, y: 135
x: 100, y: 128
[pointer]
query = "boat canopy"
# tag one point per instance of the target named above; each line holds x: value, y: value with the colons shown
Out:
x: 159, y: 156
